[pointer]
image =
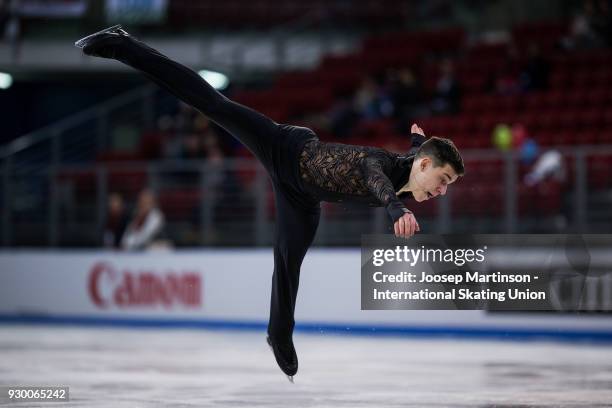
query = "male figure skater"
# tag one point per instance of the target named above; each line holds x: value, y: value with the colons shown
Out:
x: 303, y: 170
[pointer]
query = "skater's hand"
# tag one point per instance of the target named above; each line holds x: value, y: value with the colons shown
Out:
x: 406, y: 226
x: 417, y: 130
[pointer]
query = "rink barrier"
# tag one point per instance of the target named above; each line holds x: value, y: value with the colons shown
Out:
x: 87, y: 288
x: 476, y: 333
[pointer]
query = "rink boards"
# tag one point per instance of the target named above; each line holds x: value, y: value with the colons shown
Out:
x: 230, y: 289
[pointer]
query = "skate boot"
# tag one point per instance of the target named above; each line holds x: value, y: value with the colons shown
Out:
x: 101, y: 44
x: 285, y: 355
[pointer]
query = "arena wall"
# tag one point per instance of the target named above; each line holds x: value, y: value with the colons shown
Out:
x: 230, y: 289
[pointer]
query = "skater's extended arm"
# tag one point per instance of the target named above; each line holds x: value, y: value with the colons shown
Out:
x: 404, y: 222
x: 381, y: 187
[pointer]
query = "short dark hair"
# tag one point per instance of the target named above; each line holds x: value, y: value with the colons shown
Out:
x: 442, y: 151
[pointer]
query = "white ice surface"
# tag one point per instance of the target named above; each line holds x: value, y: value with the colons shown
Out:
x: 199, y: 368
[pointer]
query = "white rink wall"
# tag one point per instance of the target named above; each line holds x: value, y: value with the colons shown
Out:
x: 231, y: 289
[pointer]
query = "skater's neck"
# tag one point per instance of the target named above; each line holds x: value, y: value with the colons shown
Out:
x: 411, y: 184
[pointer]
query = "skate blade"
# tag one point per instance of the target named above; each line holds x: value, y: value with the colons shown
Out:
x: 83, y: 41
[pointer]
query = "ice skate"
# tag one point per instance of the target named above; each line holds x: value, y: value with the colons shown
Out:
x: 97, y: 44
x: 286, y: 357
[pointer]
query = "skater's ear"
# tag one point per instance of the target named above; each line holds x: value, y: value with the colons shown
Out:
x: 425, y: 162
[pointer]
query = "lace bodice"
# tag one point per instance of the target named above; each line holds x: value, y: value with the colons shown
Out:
x: 338, y: 172
x: 339, y: 168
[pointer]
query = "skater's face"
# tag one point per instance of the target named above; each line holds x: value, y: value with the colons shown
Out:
x: 429, y: 181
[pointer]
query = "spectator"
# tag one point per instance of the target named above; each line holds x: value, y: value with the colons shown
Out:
x: 342, y: 118
x: 535, y: 75
x: 603, y: 23
x: 160, y: 141
x: 192, y: 147
x: 590, y: 28
x: 146, y: 225
x: 447, y: 93
x: 184, y: 118
x: 369, y: 99
x: 10, y: 24
x: 548, y: 165
x: 116, y: 221
x: 179, y: 133
x: 405, y: 92
x: 546, y: 176
x: 508, y: 81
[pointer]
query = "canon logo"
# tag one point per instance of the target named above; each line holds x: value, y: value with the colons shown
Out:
x: 126, y: 288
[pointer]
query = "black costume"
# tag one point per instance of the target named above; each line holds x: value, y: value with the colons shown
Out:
x: 304, y: 171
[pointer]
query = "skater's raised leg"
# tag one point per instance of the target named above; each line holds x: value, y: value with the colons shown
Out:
x: 256, y: 131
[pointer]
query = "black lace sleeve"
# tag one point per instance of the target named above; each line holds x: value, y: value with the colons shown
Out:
x: 381, y: 187
x: 416, y: 141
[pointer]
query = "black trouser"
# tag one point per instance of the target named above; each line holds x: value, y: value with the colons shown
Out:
x: 276, y: 146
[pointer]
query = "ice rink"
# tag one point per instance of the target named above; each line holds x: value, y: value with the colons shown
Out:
x: 200, y: 368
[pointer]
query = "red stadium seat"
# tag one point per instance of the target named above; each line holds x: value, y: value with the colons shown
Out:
x: 554, y: 99
x: 546, y: 138
x: 179, y: 204
x: 597, y: 98
x: 605, y: 136
x: 589, y: 118
x: 599, y: 171
x: 375, y: 128
x: 564, y: 119
x: 607, y: 117
x: 127, y: 182
x: 462, y: 124
x: 577, y: 97
x: 535, y: 101
x: 559, y: 80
